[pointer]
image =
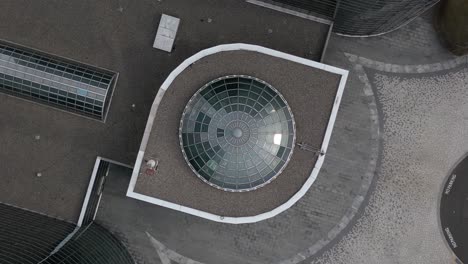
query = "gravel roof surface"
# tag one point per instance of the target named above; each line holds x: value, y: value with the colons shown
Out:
x: 309, y: 92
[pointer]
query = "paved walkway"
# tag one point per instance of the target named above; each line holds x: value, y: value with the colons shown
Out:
x: 424, y: 115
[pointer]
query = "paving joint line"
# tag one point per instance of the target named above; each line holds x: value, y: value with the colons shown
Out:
x: 367, y: 177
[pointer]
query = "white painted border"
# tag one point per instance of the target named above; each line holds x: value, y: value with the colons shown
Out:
x: 88, y: 192
x: 233, y: 47
x: 117, y: 163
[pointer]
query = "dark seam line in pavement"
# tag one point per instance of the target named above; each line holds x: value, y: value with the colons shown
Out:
x: 374, y: 169
x: 353, y: 214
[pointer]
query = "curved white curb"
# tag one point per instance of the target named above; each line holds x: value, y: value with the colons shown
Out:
x: 180, y: 69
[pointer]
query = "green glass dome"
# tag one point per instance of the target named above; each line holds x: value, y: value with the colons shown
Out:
x: 237, y: 133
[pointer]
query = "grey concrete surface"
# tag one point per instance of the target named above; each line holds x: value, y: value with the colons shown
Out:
x: 422, y: 106
x: 310, y: 93
x: 114, y: 34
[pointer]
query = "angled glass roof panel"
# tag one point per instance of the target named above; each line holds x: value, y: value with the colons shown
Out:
x: 64, y: 84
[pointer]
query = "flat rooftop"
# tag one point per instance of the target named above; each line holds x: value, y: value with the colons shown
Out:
x: 116, y: 36
x: 310, y: 93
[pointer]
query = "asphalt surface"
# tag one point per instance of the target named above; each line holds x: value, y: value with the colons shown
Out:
x: 421, y: 94
x: 117, y: 35
x: 454, y: 210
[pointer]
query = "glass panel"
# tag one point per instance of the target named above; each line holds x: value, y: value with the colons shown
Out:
x: 248, y: 145
x: 33, y: 75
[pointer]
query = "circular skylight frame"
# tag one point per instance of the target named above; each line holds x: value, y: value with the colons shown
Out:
x: 291, y: 135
